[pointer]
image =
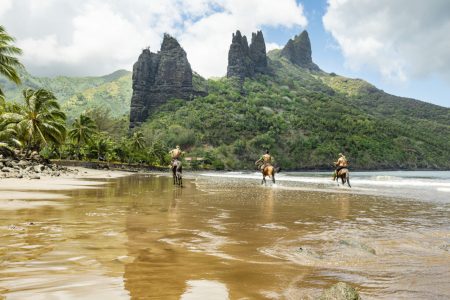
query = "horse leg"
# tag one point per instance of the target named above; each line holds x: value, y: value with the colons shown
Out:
x: 348, y: 180
x: 273, y: 178
x: 179, y: 179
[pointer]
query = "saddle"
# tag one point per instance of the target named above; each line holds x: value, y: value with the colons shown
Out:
x: 341, y: 170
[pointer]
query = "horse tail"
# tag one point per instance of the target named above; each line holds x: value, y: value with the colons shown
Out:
x: 347, y: 176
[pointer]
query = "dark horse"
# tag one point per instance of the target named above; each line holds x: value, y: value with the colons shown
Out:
x: 270, y: 171
x: 344, y: 175
x: 177, y: 169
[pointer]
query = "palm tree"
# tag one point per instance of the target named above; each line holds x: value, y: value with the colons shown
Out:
x: 137, y: 140
x: 8, y: 133
x: 102, y: 147
x: 8, y: 61
x: 82, y: 131
x: 40, y: 119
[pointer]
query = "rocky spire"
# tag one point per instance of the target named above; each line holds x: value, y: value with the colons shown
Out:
x: 245, y: 61
x: 174, y: 68
x: 298, y: 51
x: 144, y: 74
x: 258, y: 52
x: 238, y: 57
x: 158, y: 77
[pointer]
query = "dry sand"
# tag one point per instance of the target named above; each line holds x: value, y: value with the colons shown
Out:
x: 18, y: 193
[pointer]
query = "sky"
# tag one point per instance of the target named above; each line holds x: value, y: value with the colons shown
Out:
x: 400, y: 46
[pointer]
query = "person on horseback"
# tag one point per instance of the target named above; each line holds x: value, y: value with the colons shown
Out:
x: 340, y: 164
x: 176, y: 166
x: 265, y: 160
x: 175, y: 154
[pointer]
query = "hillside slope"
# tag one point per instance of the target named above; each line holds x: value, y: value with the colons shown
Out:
x: 305, y: 118
x: 77, y: 94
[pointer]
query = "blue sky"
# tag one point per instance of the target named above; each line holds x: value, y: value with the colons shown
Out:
x: 400, y: 46
x: 327, y: 54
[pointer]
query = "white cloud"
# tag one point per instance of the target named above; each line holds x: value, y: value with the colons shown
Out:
x: 93, y: 37
x: 272, y: 46
x: 5, y: 5
x: 401, y: 39
x: 207, y: 40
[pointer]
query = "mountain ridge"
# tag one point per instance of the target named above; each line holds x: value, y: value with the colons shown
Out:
x: 303, y: 115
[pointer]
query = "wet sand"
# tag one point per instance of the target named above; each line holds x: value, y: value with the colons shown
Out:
x: 14, y: 191
x: 139, y: 237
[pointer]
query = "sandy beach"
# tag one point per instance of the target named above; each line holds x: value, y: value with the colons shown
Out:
x: 18, y: 193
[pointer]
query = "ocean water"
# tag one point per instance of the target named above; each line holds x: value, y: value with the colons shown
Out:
x: 418, y: 185
x: 226, y: 236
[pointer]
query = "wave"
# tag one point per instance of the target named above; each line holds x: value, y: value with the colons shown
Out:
x: 386, y: 180
x: 391, y: 184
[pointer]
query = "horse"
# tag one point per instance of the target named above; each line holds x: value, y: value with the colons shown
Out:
x: 344, y: 175
x: 270, y: 171
x: 177, y: 169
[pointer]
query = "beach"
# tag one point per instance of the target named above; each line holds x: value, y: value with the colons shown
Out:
x: 16, y: 193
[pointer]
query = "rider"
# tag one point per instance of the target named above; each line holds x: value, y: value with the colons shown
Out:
x: 175, y: 153
x: 340, y: 164
x: 266, y: 160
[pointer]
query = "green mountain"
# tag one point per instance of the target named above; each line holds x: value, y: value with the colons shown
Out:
x: 77, y: 94
x: 305, y: 117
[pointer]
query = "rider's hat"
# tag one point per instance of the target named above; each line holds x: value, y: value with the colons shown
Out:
x: 340, y: 154
x: 177, y: 146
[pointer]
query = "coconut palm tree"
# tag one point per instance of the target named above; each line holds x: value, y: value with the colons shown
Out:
x: 8, y: 133
x: 82, y: 131
x: 137, y: 140
x: 8, y: 62
x: 40, y: 119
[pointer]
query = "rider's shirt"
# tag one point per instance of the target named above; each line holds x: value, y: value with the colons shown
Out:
x: 267, y: 159
x: 342, y: 162
x: 175, y: 153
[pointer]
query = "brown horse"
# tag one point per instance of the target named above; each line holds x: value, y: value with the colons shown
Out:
x: 177, y: 169
x: 344, y: 175
x: 270, y: 171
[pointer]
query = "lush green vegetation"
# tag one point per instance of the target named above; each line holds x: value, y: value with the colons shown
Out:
x: 78, y: 94
x: 303, y: 122
x: 305, y: 118
x: 8, y: 60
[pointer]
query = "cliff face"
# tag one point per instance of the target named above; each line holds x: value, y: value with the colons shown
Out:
x: 245, y: 61
x: 158, y: 77
x: 258, y: 52
x: 298, y: 51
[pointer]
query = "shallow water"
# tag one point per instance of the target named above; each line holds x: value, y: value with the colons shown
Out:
x: 223, y: 236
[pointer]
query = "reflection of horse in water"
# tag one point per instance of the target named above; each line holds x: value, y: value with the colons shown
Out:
x: 344, y: 175
x: 270, y: 171
x: 177, y: 169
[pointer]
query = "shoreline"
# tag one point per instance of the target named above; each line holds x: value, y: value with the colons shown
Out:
x: 18, y: 193
x: 98, y: 165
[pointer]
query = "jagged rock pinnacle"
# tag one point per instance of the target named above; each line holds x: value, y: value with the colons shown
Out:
x: 298, y: 51
x: 246, y: 61
x: 258, y: 52
x: 158, y: 77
